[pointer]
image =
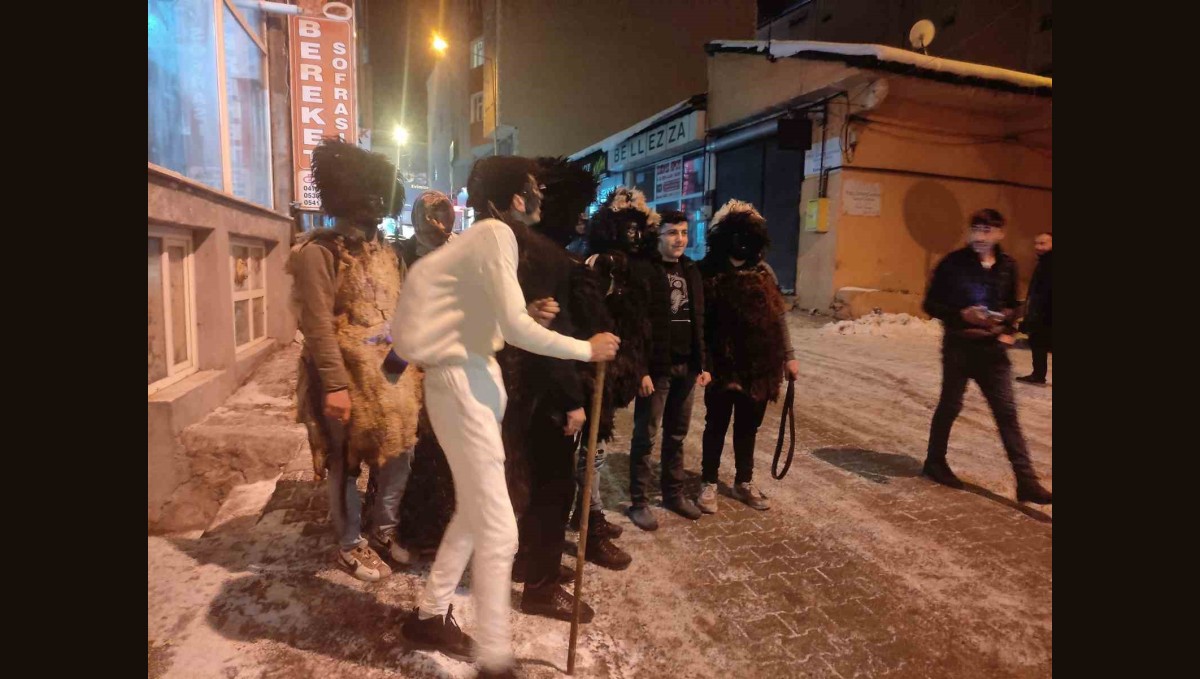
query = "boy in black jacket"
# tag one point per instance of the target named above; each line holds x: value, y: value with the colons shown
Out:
x: 974, y: 294
x: 675, y: 366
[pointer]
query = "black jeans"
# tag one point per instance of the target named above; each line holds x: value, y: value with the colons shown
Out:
x: 551, y: 492
x: 987, y: 363
x: 721, y: 405
x: 1040, y: 343
x: 670, y: 405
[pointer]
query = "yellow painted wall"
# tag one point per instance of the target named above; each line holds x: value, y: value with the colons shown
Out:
x: 923, y: 126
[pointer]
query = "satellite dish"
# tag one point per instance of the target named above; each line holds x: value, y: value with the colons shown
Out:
x: 921, y: 34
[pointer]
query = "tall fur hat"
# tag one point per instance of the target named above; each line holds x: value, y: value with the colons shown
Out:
x: 622, y: 222
x: 355, y: 184
x: 738, y: 230
x: 495, y: 180
x: 569, y: 190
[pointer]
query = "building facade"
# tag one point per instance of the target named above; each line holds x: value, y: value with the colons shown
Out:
x: 220, y: 218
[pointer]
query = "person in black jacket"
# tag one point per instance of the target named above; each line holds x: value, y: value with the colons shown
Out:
x: 675, y: 367
x: 547, y: 396
x: 1039, y: 315
x: 973, y: 293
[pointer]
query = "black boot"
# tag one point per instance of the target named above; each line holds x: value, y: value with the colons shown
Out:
x: 552, y: 601
x: 440, y: 633
x: 605, y: 553
x: 597, y: 525
x: 939, y: 471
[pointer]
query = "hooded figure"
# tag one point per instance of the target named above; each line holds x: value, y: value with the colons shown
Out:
x: 433, y: 226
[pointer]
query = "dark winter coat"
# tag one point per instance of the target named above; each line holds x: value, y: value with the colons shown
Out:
x: 1039, y: 315
x: 534, y: 382
x: 960, y: 281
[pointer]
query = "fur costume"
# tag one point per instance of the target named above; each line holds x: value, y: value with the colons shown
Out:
x: 546, y: 269
x: 356, y: 186
x: 743, y: 303
x: 617, y: 235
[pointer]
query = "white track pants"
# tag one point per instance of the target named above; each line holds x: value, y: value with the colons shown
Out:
x: 465, y: 404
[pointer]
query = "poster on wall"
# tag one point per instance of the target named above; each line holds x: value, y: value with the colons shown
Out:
x: 862, y: 199
x: 668, y: 179
x: 322, y: 93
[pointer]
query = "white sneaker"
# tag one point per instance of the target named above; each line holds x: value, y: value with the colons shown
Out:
x: 707, y: 502
x: 748, y: 493
x: 363, y: 564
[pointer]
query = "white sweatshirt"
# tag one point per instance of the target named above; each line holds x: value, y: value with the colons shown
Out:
x: 464, y: 298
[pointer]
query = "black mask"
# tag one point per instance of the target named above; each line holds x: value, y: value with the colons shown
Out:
x: 743, y: 248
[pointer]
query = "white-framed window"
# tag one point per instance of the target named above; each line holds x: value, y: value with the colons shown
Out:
x: 247, y: 263
x: 477, y: 52
x: 477, y: 107
x: 207, y: 95
x: 171, y: 303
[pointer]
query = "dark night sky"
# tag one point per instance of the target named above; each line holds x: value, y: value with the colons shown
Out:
x: 393, y: 26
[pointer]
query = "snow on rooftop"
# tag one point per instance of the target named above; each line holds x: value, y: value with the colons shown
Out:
x: 791, y: 48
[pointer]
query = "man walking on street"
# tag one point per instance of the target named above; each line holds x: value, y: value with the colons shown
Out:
x: 973, y: 293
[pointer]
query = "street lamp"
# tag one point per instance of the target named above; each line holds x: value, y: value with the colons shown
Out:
x: 440, y: 46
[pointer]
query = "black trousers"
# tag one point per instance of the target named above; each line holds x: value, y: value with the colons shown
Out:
x: 987, y: 363
x: 1040, y: 343
x: 720, y: 406
x: 551, y: 493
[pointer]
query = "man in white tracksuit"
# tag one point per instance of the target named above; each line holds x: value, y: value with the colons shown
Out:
x: 469, y: 303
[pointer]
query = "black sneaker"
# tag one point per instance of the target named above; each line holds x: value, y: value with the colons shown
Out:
x: 1032, y: 379
x: 939, y: 471
x: 440, y: 633
x: 552, y: 601
x: 605, y: 553
x: 598, y: 525
x: 683, y: 507
x: 643, y: 517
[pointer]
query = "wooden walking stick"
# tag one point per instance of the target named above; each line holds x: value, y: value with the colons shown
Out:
x: 585, y: 503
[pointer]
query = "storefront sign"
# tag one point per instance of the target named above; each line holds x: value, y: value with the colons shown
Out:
x: 657, y: 142
x: 596, y: 163
x: 812, y: 157
x: 668, y: 179
x: 323, y: 94
x: 862, y: 199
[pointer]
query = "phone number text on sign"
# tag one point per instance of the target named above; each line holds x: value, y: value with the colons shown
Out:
x: 309, y: 198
